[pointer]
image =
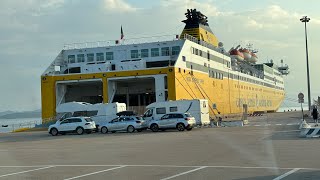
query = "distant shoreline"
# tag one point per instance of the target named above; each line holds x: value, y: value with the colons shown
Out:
x: 19, y: 115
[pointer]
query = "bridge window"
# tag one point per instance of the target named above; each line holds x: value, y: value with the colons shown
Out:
x: 134, y: 54
x: 90, y: 57
x: 71, y: 58
x: 100, y: 56
x: 165, y: 51
x: 154, y: 52
x: 80, y: 58
x: 144, y: 53
x: 109, y: 56
x: 175, y: 50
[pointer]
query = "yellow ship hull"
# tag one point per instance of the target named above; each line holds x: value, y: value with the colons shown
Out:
x: 227, y: 95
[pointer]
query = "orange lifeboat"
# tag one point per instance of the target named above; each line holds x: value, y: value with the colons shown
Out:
x: 246, y: 53
x: 254, y: 58
x: 236, y: 54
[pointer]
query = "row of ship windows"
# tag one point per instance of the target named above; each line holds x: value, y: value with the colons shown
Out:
x: 165, y: 51
x: 219, y: 75
x: 256, y: 89
x: 215, y: 75
x: 90, y: 57
x: 209, y: 56
x: 273, y: 79
x: 155, y: 52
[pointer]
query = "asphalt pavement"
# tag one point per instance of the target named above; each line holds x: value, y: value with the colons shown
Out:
x: 269, y: 147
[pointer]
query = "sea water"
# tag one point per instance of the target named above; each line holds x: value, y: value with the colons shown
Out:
x: 14, y: 124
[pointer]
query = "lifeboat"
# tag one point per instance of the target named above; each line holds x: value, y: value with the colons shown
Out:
x: 254, y: 58
x: 246, y: 54
x: 236, y: 54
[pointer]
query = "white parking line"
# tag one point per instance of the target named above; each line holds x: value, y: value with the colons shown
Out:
x: 278, y: 124
x: 286, y: 174
x: 180, y: 174
x: 172, y: 166
x: 21, y: 172
x: 89, y: 174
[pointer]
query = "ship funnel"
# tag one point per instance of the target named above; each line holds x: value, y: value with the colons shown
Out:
x: 198, y: 27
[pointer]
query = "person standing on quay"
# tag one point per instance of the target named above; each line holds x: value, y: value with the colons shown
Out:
x: 315, y: 114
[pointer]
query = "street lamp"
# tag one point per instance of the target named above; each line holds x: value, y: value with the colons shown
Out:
x: 305, y: 19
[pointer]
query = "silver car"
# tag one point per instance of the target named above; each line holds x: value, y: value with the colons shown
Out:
x: 124, y: 123
x: 179, y: 121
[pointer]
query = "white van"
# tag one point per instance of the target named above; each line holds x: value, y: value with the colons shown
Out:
x: 98, y: 112
x: 198, y: 108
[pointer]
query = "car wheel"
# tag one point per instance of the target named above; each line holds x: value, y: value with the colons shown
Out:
x: 104, y: 130
x: 180, y: 127
x: 154, y: 128
x: 130, y: 129
x: 54, y: 132
x: 139, y: 130
x: 79, y: 130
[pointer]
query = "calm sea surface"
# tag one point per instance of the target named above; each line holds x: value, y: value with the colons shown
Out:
x: 17, y: 123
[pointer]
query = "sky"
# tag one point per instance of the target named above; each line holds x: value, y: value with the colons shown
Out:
x: 33, y: 32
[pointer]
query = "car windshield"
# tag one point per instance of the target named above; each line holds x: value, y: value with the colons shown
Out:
x: 88, y: 119
x: 139, y: 118
x: 187, y: 115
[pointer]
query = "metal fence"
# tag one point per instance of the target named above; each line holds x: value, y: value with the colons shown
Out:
x: 12, y: 127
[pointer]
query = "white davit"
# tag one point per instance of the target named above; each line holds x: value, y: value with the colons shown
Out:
x: 198, y: 108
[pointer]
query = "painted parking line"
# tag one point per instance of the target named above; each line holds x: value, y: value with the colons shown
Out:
x: 173, y: 166
x: 21, y: 172
x: 287, y: 174
x: 97, y: 172
x: 183, y: 173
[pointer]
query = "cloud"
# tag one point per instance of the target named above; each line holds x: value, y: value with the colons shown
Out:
x: 208, y: 7
x: 30, y: 7
x: 26, y: 28
x: 251, y: 23
x: 119, y: 6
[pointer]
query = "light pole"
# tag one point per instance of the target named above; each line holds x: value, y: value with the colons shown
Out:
x: 305, y: 19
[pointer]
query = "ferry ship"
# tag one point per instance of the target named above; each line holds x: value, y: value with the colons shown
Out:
x: 192, y: 65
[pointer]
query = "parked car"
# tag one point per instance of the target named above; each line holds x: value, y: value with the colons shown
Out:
x: 179, y: 121
x: 72, y: 124
x: 124, y: 123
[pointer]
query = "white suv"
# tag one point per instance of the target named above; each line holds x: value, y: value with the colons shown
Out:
x: 180, y: 121
x: 73, y: 124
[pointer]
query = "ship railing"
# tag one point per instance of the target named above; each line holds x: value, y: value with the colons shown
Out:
x: 205, y: 44
x: 20, y: 126
x: 139, y: 40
